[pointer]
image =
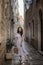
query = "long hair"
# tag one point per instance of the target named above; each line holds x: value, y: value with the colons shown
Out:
x: 21, y: 33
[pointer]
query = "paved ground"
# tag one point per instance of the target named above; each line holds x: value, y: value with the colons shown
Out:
x: 34, y: 57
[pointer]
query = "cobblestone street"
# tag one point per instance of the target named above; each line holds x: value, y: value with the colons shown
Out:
x: 34, y: 57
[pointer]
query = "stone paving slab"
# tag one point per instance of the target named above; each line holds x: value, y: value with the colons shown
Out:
x: 36, y: 62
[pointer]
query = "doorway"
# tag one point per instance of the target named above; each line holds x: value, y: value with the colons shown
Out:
x: 41, y: 23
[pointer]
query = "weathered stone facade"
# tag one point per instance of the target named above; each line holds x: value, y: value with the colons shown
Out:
x: 34, y: 23
x: 3, y: 35
x: 16, y: 14
x: 9, y: 19
x: 6, y: 26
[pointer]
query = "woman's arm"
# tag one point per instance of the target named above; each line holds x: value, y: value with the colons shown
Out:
x: 22, y: 40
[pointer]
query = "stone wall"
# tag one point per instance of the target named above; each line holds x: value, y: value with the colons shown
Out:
x: 2, y: 31
x: 6, y: 26
x: 9, y: 19
x: 32, y: 14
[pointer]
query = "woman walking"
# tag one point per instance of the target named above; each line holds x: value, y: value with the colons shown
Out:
x: 20, y: 43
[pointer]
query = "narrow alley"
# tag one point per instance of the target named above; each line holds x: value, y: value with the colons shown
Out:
x: 21, y: 32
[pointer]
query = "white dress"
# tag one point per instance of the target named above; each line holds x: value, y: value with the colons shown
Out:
x: 21, y: 50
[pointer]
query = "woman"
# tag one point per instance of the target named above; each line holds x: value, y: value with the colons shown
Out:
x: 20, y: 43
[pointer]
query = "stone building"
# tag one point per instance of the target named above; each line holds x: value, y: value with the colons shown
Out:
x: 6, y: 26
x: 3, y: 32
x: 34, y: 24
x: 27, y: 8
x: 14, y: 3
x: 9, y: 19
